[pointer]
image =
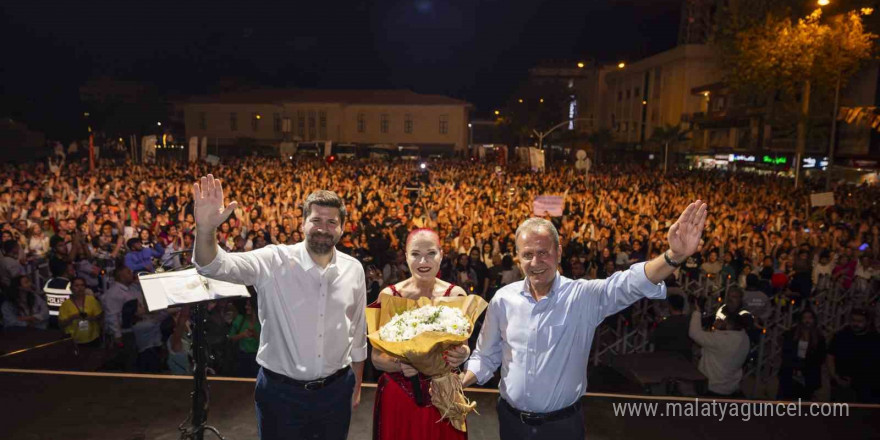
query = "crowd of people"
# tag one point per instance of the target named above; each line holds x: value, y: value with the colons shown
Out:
x: 95, y: 230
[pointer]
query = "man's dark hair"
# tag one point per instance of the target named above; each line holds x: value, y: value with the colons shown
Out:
x: 132, y: 241
x: 55, y: 241
x: 118, y: 271
x: 676, y: 302
x: 507, y: 262
x: 57, y: 267
x: 733, y: 289
x: 9, y: 247
x: 327, y: 199
x: 753, y: 282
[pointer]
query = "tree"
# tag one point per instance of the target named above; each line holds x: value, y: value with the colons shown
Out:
x: 783, y: 64
x: 668, y: 134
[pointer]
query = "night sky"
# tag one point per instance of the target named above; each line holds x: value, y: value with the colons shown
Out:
x: 478, y: 50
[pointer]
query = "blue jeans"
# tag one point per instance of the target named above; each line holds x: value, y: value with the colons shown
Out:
x: 285, y: 411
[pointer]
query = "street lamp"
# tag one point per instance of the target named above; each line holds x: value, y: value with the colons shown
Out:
x: 543, y: 135
x: 621, y: 65
x: 159, y: 124
x: 497, y: 112
x: 580, y: 65
x: 824, y: 2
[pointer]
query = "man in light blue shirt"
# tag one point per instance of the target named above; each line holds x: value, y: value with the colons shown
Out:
x: 539, y: 330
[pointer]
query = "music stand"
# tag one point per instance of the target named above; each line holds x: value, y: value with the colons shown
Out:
x: 187, y: 287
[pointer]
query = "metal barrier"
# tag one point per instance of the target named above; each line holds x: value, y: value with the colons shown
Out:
x: 628, y: 332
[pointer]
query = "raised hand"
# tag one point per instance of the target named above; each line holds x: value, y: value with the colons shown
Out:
x: 209, y: 211
x: 684, y: 236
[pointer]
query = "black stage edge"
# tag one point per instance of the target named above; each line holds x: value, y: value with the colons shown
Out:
x: 50, y: 406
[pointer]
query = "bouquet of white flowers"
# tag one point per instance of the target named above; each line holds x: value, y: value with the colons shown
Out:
x: 412, y: 323
x: 418, y: 332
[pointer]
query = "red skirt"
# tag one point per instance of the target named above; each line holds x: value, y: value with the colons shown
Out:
x: 397, y: 416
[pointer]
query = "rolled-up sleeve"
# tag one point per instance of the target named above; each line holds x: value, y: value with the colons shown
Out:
x: 486, y: 357
x: 359, y: 324
x: 241, y: 268
x: 623, y: 288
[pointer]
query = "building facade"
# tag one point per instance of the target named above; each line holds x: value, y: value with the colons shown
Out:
x: 360, y: 117
x: 657, y: 91
x: 582, y: 85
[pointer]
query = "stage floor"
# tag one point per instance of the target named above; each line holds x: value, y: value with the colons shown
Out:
x: 72, y: 406
x: 78, y: 403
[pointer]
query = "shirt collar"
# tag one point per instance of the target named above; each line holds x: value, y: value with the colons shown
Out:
x: 526, y: 288
x: 308, y: 263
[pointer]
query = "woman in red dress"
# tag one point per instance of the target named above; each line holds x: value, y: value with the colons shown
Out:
x: 403, y: 409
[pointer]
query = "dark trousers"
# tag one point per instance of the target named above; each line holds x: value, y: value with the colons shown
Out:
x: 246, y: 364
x: 150, y: 360
x: 286, y: 411
x: 512, y: 428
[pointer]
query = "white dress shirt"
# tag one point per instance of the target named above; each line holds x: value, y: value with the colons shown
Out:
x: 313, y: 320
x: 112, y: 301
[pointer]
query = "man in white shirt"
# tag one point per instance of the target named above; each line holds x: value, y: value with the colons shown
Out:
x: 10, y: 263
x: 724, y: 351
x: 311, y: 306
x: 120, y: 292
x: 120, y: 303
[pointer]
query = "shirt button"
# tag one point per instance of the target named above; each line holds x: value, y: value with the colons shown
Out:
x: 320, y: 336
x: 319, y: 355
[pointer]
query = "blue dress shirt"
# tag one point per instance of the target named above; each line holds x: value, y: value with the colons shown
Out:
x: 543, y: 347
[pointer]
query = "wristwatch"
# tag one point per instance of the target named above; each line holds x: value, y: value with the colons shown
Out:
x: 669, y: 260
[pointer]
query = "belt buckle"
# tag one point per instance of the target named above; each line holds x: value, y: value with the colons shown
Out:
x: 530, y: 419
x: 318, y: 385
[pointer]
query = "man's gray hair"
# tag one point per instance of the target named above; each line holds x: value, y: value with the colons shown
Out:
x: 535, y: 224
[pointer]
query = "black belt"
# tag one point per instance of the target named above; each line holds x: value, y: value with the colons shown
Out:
x: 310, y: 385
x: 541, y: 418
